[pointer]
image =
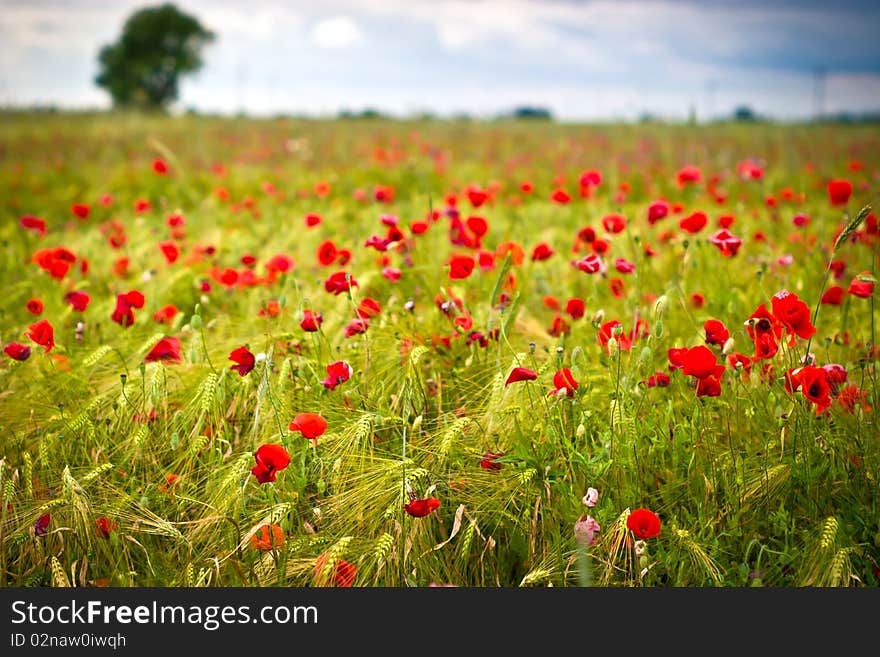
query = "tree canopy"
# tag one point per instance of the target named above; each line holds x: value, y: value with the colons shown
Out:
x: 157, y: 45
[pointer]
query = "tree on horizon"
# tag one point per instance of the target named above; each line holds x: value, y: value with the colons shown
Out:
x: 157, y: 46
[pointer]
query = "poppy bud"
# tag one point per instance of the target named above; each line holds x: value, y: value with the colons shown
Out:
x: 660, y: 306
x: 580, y: 431
x: 612, y: 347
x: 728, y: 346
x: 196, y: 322
x: 598, y: 318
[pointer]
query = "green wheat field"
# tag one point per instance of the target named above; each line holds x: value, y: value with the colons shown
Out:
x: 283, y: 352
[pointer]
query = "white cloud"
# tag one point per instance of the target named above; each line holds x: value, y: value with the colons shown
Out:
x: 337, y: 32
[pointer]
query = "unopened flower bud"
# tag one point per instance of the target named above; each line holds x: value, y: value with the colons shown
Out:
x: 612, y: 347
x: 660, y: 306
x: 728, y: 346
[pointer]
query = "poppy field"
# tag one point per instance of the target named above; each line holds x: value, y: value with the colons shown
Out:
x: 283, y: 352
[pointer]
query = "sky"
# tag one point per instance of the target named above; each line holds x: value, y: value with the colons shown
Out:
x: 583, y: 60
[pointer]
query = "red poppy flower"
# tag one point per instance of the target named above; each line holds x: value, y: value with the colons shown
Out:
x: 617, y: 287
x: 521, y: 374
x: 861, y: 288
x: 709, y: 386
x: 342, y: 575
x: 700, y: 362
x: 726, y: 242
x: 490, y: 461
x: 267, y: 537
x: 160, y: 167
x: 17, y: 351
x: 833, y: 296
x: 377, y: 242
x: 165, y: 314
x: 312, y: 219
x: 368, y: 308
x: 765, y: 346
x: 78, y: 300
x: 693, y: 223
x: 590, y: 178
x: 34, y: 306
x: 852, y: 395
x: 600, y: 246
x: 311, y: 320
x: 167, y: 348
x: 141, y: 205
x: 340, y: 282
x: 460, y: 267
x: 383, y: 193
x: 421, y: 508
x: 244, y: 360
x: 657, y: 211
x: 839, y: 191
x: 120, y: 267
x: 170, y: 251
x: 56, y: 262
x: 590, y: 264
x: 659, y: 378
x: 279, y: 264
x: 542, y: 252
x: 123, y: 314
x: 575, y: 308
x: 559, y: 327
x: 688, y: 175
x: 270, y: 459
x: 41, y: 524
x: 716, y: 332
x: 643, y: 523
x: 560, y: 196
x: 392, y: 274
x: 104, y: 527
x: 676, y: 358
x: 614, y: 223
x: 793, y: 313
x: 763, y: 322
x: 835, y: 374
x: 271, y: 309
x: 29, y: 222
x: 310, y: 425
x: 737, y: 359
x: 813, y: 384
x: 43, y: 334
x: 517, y: 255
x: 624, y: 266
x: 81, y: 210
x: 564, y: 383
x: 356, y: 326
x: 337, y: 372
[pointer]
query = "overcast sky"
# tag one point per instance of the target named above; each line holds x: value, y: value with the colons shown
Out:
x: 601, y: 59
